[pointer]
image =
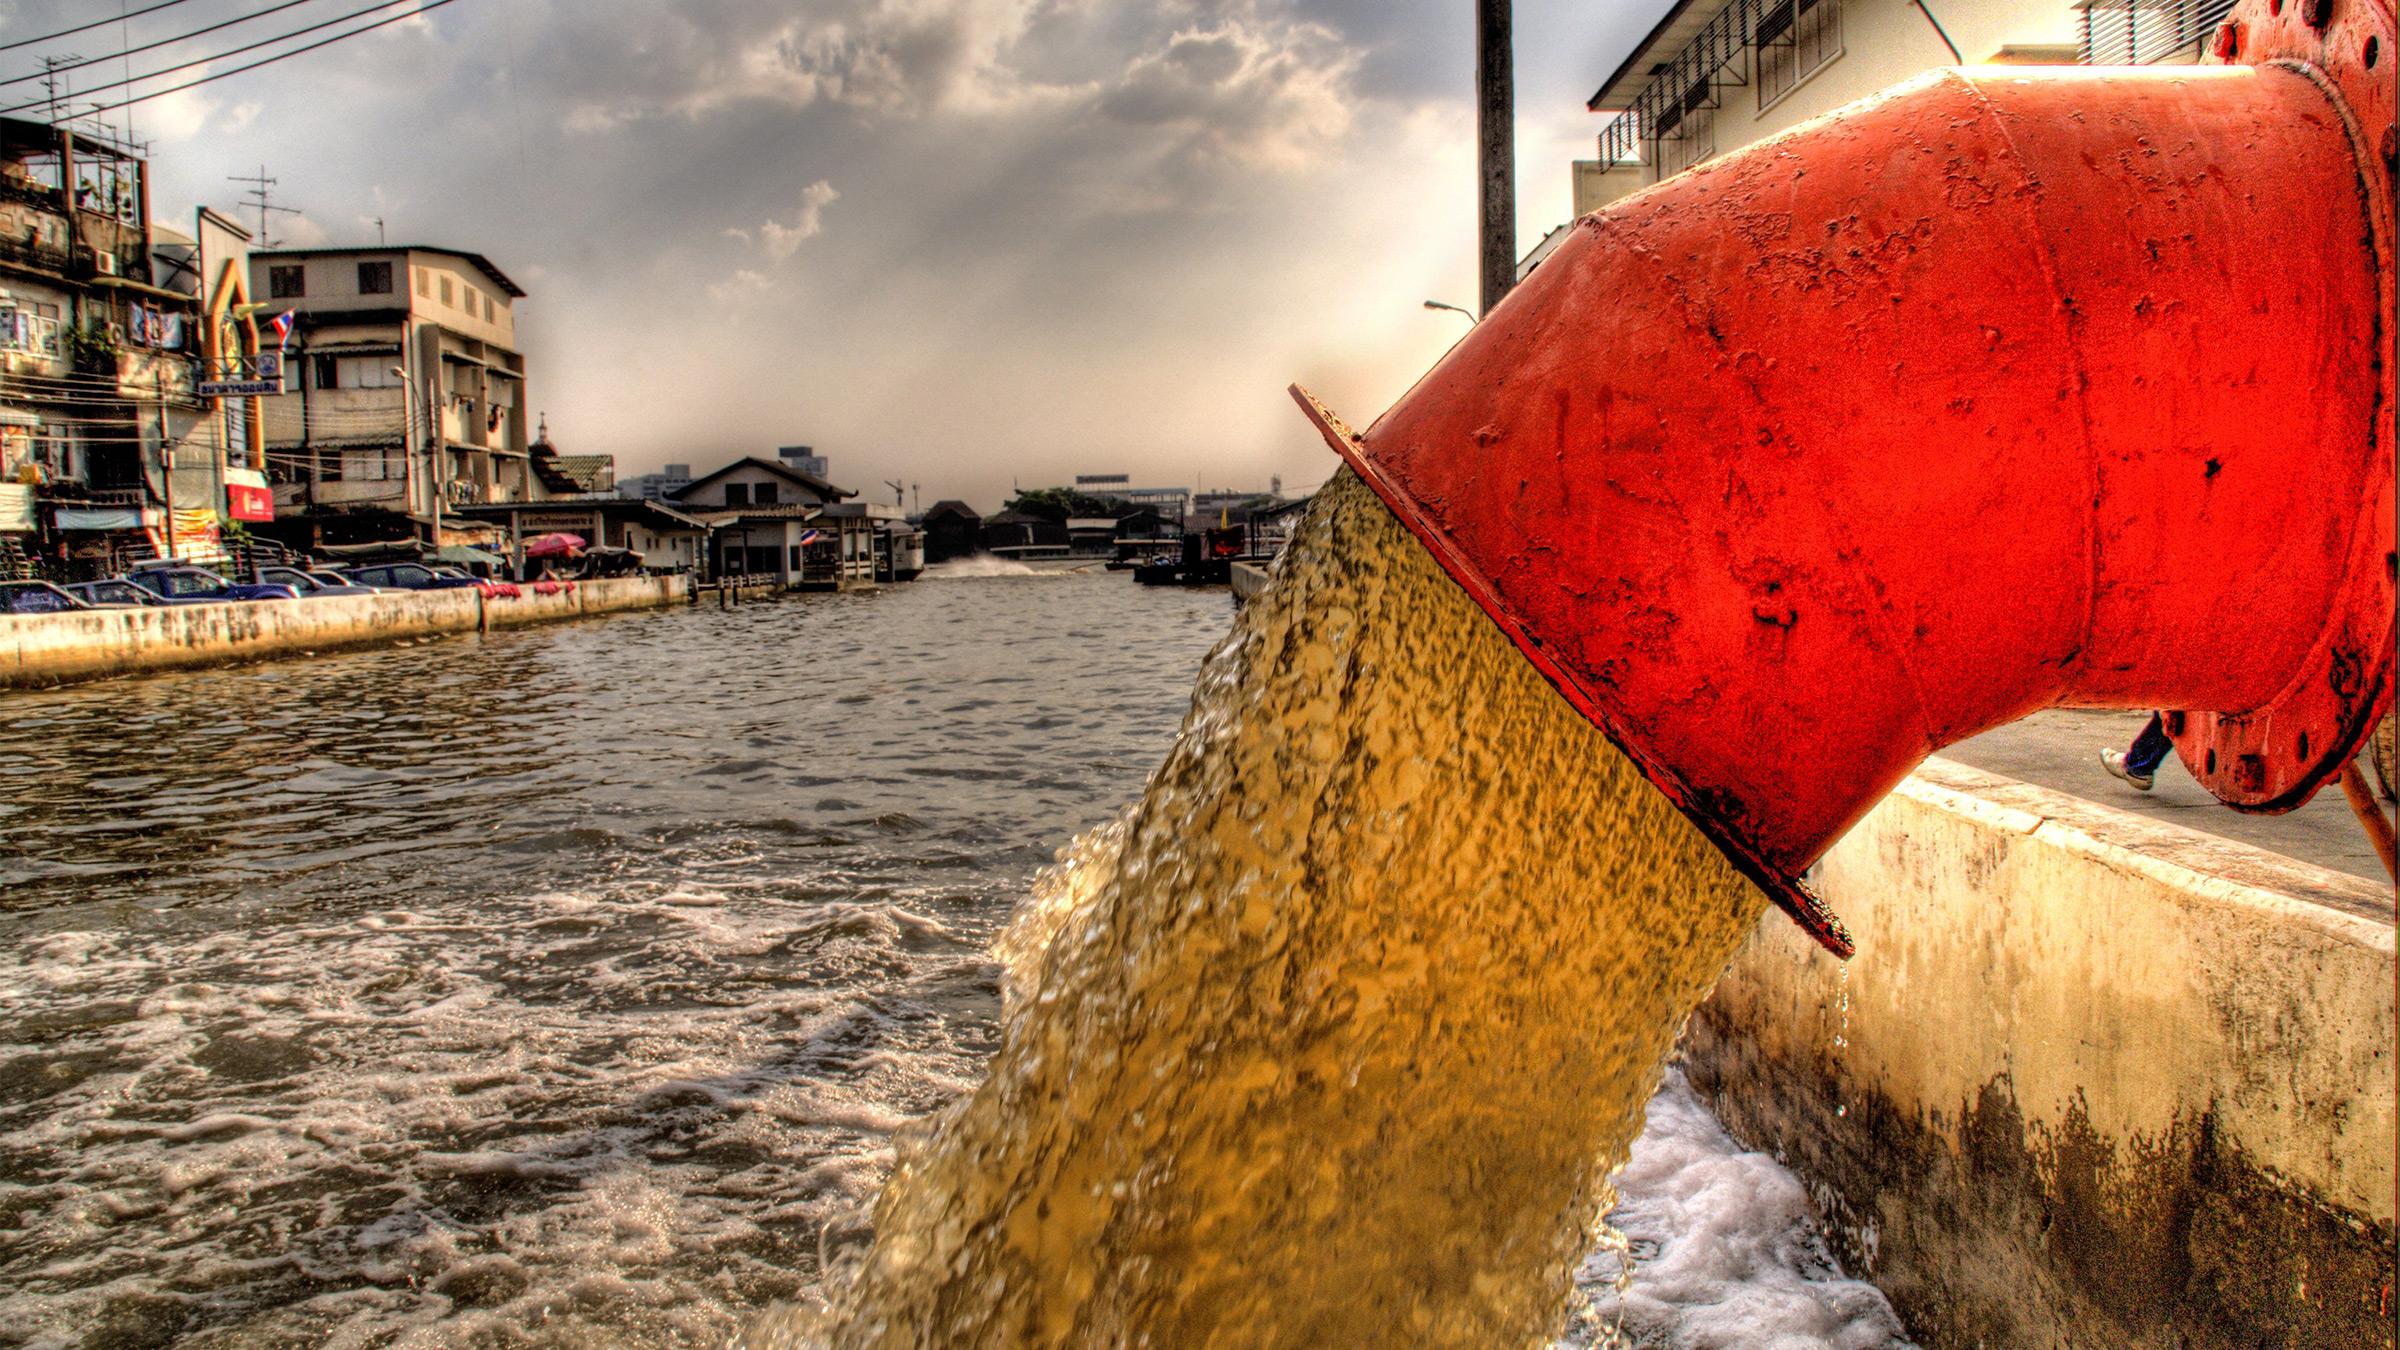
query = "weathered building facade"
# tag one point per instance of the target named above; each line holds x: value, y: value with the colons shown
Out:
x: 404, y: 390
x: 126, y: 349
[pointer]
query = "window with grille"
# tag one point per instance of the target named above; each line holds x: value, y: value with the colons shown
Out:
x: 287, y: 283
x: 374, y: 278
x: 1693, y: 139
x: 1795, y: 37
x: 2142, y: 32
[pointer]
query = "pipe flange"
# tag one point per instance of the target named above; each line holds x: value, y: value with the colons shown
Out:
x: 2274, y: 757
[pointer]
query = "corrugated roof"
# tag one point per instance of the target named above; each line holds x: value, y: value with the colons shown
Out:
x: 587, y: 470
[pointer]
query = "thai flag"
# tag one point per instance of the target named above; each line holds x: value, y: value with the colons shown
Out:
x: 811, y: 537
x: 282, y: 324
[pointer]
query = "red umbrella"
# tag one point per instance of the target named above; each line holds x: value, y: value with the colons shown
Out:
x: 554, y: 546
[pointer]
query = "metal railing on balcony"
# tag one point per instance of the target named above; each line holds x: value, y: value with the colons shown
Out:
x: 1714, y: 60
x: 2144, y: 32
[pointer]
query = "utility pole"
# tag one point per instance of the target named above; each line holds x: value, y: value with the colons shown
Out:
x: 380, y: 241
x: 433, y: 433
x: 260, y: 196
x: 1496, y: 130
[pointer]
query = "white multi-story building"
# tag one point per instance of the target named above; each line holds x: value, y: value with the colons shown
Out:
x: 402, y: 373
x: 1715, y: 75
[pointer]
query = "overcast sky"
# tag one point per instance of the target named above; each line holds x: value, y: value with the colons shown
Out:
x: 961, y: 243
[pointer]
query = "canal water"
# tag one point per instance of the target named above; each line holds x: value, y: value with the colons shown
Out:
x: 570, y: 986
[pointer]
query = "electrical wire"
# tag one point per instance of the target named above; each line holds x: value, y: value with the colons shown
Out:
x: 213, y: 57
x: 96, y: 23
x: 153, y: 46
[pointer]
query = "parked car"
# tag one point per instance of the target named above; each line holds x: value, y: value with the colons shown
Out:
x: 342, y: 583
x: 408, y: 577
x: 36, y: 597
x: 179, y: 584
x: 309, y: 586
x: 116, y: 594
x: 491, y: 589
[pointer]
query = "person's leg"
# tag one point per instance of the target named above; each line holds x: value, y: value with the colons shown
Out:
x: 2138, y: 763
x: 2150, y: 749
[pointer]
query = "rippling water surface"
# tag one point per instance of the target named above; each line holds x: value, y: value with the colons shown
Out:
x: 567, y: 986
x: 558, y: 985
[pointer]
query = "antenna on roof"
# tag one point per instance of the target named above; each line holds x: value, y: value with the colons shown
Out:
x: 50, y: 69
x: 899, y: 495
x: 380, y: 241
x: 259, y: 196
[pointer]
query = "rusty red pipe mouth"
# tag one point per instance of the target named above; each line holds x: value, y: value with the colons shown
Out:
x: 2000, y: 391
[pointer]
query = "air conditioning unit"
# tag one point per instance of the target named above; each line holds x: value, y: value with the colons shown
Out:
x: 104, y: 262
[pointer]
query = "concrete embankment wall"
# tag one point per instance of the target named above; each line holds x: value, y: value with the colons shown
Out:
x: 2091, y: 1080
x: 41, y: 649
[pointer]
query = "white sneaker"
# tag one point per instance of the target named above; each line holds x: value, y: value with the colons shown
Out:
x: 2114, y: 762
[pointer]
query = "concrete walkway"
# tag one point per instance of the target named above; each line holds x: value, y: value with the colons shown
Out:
x: 2059, y: 749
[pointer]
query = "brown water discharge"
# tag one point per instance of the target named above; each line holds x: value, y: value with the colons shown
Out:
x: 1336, y: 1037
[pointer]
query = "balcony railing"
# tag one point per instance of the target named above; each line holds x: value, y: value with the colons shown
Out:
x: 2144, y: 32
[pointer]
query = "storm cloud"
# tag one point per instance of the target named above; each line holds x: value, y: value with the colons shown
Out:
x: 957, y: 242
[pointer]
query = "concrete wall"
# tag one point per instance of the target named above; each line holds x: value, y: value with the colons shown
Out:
x: 41, y: 649
x: 2090, y: 1081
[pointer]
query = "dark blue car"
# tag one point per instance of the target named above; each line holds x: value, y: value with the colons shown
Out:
x: 178, y: 584
x: 408, y: 577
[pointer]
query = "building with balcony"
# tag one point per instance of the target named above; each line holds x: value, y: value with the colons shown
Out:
x: 776, y: 521
x: 402, y: 380
x: 124, y: 348
x: 1716, y: 75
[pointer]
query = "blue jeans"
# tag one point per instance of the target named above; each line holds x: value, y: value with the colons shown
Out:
x: 2149, y: 749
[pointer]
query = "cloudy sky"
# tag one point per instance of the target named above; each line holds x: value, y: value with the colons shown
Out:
x: 961, y: 243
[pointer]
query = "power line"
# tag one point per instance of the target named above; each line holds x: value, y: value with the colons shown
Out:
x: 72, y: 62
x: 84, y: 27
x: 213, y: 57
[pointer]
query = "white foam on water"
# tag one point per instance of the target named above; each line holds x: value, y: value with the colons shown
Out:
x: 474, y: 1126
x: 1728, y: 1251
x: 978, y: 566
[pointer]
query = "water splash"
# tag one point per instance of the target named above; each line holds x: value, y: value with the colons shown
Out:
x: 978, y: 565
x: 1336, y: 1037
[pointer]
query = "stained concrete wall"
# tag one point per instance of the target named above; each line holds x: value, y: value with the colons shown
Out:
x: 41, y: 649
x: 2091, y: 1080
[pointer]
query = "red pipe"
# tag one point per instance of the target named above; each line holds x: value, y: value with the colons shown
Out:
x: 2004, y: 390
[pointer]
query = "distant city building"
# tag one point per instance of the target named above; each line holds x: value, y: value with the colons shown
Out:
x: 1170, y: 501
x: 658, y: 486
x: 394, y: 350
x: 806, y: 459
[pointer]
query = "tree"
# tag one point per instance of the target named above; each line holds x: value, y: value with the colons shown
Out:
x: 1062, y: 504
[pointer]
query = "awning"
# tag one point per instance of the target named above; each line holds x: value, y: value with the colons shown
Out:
x: 104, y: 518
x: 461, y: 553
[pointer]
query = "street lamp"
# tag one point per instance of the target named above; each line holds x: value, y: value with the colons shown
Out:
x: 433, y: 441
x: 1436, y: 304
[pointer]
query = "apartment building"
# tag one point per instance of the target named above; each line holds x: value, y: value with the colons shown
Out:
x: 128, y: 364
x: 403, y: 381
x: 1715, y: 75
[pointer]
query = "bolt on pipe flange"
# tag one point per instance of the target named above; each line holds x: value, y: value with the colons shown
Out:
x: 2272, y: 758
